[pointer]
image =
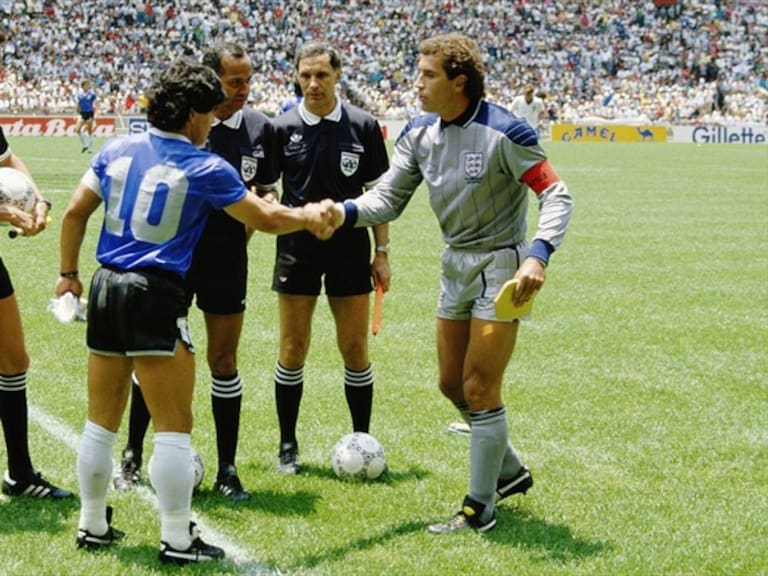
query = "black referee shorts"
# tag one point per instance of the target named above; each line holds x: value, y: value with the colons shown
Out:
x: 218, y: 276
x: 140, y: 312
x: 343, y: 262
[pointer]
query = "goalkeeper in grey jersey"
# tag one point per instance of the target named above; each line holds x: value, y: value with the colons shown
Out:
x: 478, y: 161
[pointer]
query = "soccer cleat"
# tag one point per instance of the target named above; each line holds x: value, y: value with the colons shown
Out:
x: 228, y: 483
x: 84, y: 150
x: 288, y: 459
x: 93, y: 542
x: 130, y: 471
x: 468, y: 517
x: 198, y: 551
x: 34, y: 486
x: 519, y: 484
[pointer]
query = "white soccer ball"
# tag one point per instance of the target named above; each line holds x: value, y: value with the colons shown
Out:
x: 198, y: 467
x: 17, y: 190
x: 358, y: 456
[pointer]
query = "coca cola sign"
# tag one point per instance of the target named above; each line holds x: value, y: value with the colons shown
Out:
x: 56, y: 126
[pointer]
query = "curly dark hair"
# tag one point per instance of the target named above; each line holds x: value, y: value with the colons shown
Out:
x: 461, y: 55
x: 182, y: 87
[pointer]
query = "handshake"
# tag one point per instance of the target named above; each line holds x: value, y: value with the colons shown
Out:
x: 323, y: 218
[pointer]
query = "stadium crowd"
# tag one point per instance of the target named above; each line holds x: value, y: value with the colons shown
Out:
x: 647, y: 60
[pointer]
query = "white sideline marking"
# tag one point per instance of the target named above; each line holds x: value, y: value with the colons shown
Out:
x: 234, y: 553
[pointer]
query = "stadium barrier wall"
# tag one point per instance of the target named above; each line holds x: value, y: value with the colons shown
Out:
x: 711, y: 134
x: 607, y: 133
x: 678, y: 134
x: 107, y: 126
x: 54, y: 126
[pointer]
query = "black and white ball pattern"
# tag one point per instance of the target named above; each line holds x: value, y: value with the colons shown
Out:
x: 358, y: 456
x: 16, y: 189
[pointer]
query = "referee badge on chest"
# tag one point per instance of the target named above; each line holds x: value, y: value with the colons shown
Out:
x: 248, y: 167
x: 473, y: 165
x: 349, y: 163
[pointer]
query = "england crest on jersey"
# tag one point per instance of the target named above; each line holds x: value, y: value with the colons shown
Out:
x: 248, y: 167
x: 349, y: 163
x: 473, y: 165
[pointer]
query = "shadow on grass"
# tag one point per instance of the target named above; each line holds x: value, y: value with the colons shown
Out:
x: 38, y: 515
x: 545, y: 540
x: 145, y: 557
x: 299, y: 503
x: 390, y: 478
x: 340, y: 553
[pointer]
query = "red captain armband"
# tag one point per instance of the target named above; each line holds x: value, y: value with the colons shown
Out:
x: 540, y: 177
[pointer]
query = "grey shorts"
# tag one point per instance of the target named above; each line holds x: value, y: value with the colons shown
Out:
x: 470, y: 281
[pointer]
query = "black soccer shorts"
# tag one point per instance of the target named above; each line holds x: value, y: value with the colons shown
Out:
x: 218, y: 276
x: 343, y: 261
x: 141, y: 312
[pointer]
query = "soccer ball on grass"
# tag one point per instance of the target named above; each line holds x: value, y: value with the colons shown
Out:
x: 198, y: 467
x: 358, y: 456
x: 17, y: 190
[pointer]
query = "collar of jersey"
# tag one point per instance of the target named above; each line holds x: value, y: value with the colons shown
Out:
x: 171, y: 135
x: 231, y: 122
x: 313, y: 119
x: 465, y: 118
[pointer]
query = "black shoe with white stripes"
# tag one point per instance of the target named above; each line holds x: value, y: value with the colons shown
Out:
x: 228, y: 483
x: 518, y: 484
x: 288, y: 459
x: 93, y: 542
x: 130, y: 471
x: 34, y: 486
x: 198, y: 551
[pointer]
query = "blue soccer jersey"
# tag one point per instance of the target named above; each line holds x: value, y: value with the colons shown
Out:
x: 158, y: 190
x: 85, y: 101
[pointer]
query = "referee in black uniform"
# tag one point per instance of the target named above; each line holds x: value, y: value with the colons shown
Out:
x: 325, y: 148
x: 217, y: 278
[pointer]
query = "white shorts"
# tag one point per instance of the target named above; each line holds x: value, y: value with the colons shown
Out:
x: 470, y: 281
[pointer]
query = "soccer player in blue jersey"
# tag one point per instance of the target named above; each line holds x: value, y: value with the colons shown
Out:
x: 86, y: 112
x: 21, y: 478
x: 217, y: 277
x: 478, y: 161
x: 325, y: 148
x: 158, y: 190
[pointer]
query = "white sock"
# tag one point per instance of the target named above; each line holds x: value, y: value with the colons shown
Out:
x: 172, y: 477
x: 94, y: 471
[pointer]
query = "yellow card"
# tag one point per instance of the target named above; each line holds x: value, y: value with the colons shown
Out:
x: 505, y: 306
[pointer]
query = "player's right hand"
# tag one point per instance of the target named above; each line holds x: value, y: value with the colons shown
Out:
x: 320, y: 218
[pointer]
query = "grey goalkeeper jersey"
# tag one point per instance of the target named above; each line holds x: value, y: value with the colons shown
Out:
x: 478, y: 169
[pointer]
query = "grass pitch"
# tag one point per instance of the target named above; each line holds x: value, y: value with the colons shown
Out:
x: 638, y: 396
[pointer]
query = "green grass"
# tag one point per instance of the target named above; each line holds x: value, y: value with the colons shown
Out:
x: 638, y: 396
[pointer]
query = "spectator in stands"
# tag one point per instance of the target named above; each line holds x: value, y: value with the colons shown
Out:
x: 575, y: 48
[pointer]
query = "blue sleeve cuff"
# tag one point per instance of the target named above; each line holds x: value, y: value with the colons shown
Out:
x: 541, y: 250
x: 350, y: 214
